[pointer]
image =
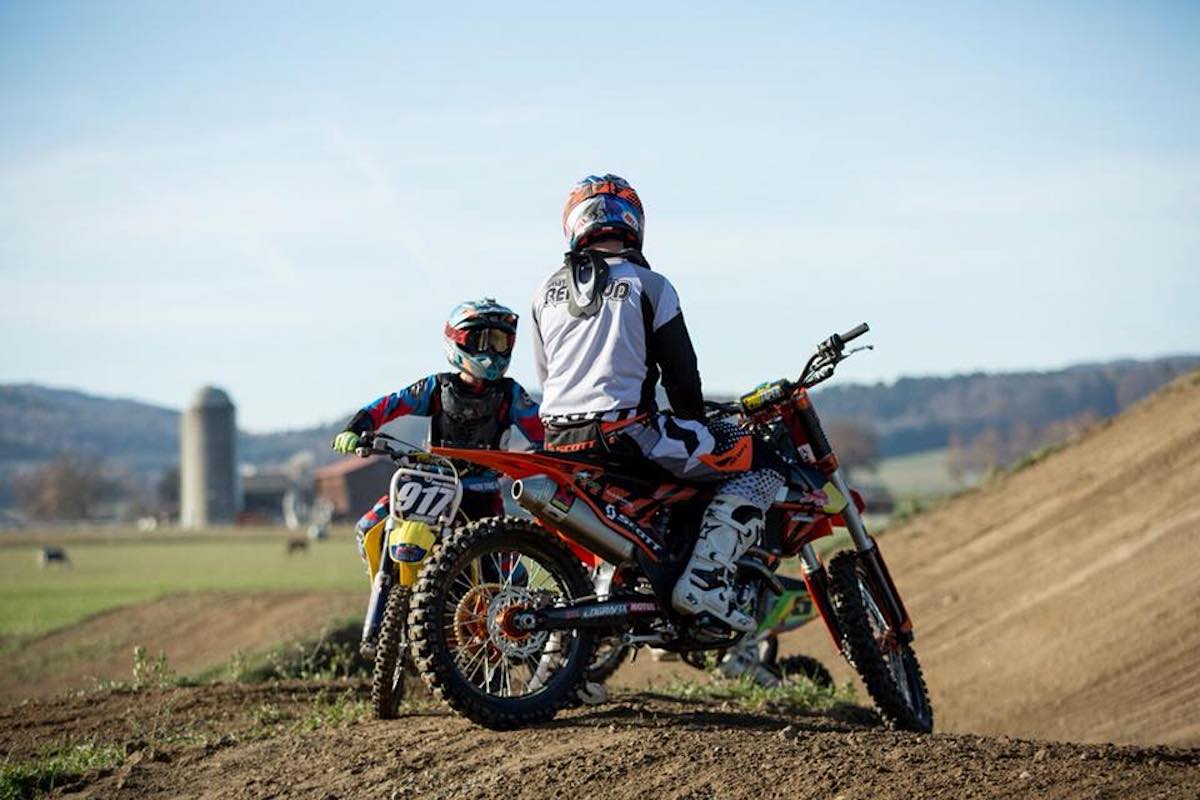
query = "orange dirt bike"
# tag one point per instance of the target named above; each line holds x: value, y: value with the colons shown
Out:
x: 504, y: 620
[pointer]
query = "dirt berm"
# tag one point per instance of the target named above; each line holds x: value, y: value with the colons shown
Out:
x: 1063, y: 601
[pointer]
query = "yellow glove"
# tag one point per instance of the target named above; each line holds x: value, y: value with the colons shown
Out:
x: 345, y: 442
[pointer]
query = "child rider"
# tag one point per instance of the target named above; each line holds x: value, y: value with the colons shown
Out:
x: 472, y: 407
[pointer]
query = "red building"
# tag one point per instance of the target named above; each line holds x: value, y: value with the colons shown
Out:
x: 353, y: 485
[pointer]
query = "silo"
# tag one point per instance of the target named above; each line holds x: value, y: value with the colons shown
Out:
x: 208, y: 460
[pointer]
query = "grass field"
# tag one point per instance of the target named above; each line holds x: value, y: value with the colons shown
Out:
x: 916, y: 476
x: 114, y: 570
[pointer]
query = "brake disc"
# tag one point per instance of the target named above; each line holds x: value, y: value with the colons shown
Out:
x: 504, y: 636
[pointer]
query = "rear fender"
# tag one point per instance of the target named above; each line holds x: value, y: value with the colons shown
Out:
x: 517, y: 465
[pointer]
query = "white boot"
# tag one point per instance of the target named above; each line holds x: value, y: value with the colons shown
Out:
x: 729, y: 528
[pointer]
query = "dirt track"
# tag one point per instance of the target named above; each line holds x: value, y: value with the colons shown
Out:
x: 253, y: 742
x: 1062, y: 601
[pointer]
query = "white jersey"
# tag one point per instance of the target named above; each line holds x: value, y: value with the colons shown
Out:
x: 591, y: 367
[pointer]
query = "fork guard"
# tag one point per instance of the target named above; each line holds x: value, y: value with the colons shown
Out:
x: 880, y: 578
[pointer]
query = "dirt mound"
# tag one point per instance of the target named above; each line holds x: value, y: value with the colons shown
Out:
x: 291, y: 740
x: 1061, y: 601
x: 195, y: 631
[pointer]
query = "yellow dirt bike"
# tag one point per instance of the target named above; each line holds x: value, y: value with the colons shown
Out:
x: 423, y: 496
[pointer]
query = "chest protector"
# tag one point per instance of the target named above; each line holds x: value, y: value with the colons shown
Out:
x: 467, y: 419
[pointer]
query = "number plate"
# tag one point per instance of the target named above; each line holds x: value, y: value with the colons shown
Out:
x: 429, y: 497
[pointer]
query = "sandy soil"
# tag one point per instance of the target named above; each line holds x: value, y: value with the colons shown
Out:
x: 1062, y: 601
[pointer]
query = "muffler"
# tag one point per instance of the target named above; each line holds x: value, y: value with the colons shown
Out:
x: 542, y: 497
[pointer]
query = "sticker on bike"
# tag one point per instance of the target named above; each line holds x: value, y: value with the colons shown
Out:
x: 429, y: 497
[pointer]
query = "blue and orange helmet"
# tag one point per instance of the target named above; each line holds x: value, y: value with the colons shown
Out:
x: 600, y: 206
x: 479, y: 338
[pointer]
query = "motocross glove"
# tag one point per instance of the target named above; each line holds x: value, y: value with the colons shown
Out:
x: 345, y: 442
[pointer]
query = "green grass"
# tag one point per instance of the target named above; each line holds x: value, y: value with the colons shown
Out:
x: 107, y: 573
x: 333, y: 710
x: 794, y: 695
x: 331, y: 654
x: 27, y: 779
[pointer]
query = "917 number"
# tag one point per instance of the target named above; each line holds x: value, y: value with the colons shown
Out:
x: 423, y: 502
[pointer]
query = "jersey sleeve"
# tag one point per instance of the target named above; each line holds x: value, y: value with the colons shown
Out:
x: 539, y: 345
x: 663, y: 299
x: 670, y: 347
x: 415, y: 400
x: 523, y: 414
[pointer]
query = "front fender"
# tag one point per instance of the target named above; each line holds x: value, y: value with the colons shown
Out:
x: 409, y: 544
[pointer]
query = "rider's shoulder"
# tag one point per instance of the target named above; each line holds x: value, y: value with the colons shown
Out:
x: 653, y: 283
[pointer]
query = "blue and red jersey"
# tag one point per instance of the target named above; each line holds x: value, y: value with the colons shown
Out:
x: 422, y: 399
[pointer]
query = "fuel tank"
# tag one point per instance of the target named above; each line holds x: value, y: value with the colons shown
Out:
x: 544, y: 498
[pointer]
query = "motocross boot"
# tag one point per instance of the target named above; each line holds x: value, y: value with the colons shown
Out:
x: 743, y: 659
x: 730, y: 527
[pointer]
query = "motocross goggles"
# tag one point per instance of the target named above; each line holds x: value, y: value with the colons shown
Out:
x: 482, y: 339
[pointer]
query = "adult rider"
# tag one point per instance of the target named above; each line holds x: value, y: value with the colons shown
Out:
x: 605, y: 328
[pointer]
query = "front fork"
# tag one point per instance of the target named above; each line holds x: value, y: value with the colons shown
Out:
x: 876, y: 571
x: 381, y: 586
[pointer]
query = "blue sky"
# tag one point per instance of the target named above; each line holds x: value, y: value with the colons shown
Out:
x: 286, y: 200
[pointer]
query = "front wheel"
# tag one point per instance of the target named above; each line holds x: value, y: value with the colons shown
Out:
x: 887, y: 665
x: 391, y: 656
x: 465, y: 639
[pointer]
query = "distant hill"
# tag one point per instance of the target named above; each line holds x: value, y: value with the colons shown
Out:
x: 917, y: 414
x: 37, y: 423
x: 910, y: 415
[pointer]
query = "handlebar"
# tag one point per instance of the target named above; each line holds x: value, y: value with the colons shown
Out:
x: 377, y: 443
x: 855, y: 332
x: 820, y: 367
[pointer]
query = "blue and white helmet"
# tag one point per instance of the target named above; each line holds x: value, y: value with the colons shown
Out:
x: 600, y: 206
x: 479, y: 338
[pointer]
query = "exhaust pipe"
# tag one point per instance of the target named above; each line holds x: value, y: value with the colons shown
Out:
x: 537, y: 495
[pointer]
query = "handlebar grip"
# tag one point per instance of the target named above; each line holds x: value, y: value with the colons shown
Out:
x: 855, y: 332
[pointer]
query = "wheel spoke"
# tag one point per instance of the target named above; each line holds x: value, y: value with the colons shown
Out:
x: 482, y: 598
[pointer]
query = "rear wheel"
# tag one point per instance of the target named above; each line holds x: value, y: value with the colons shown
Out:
x: 391, y: 656
x: 610, y: 655
x: 801, y: 667
x: 465, y: 641
x: 887, y: 665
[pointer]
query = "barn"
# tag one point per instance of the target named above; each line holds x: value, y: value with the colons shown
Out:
x: 352, y: 485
